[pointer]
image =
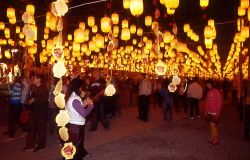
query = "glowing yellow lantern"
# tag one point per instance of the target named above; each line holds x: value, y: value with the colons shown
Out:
x: 21, y: 35
x: 126, y: 4
x: 106, y: 24
x: 2, y: 26
x: 248, y: 13
x: 100, y: 41
x: 79, y: 36
x: 244, y: 4
x: 91, y: 21
x: 124, y: 23
x: 155, y: 26
x: 167, y: 37
x: 92, y: 45
x: 11, y: 13
x: 241, y: 11
x: 136, y: 7
x: 30, y: 9
x: 134, y: 41
x: 69, y: 37
x: 76, y: 47
x: 211, y: 22
x: 139, y: 32
x: 208, y: 32
x: 82, y: 25
x: 115, y: 18
x: 172, y: 4
x: 149, y: 44
x: 7, y: 32
x: 116, y: 31
x: 133, y: 29
x: 94, y: 29
x: 12, y: 20
x: 7, y: 54
x: 125, y: 34
x: 46, y: 36
x: 86, y: 34
x: 204, y: 3
x: 245, y: 32
x: 186, y: 28
x: 170, y: 11
x: 148, y: 20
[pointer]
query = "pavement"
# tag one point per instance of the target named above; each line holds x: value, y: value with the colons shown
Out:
x: 131, y: 139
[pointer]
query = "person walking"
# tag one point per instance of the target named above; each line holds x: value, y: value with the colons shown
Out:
x: 194, y: 94
x: 212, y: 110
x: 78, y: 109
x: 145, y: 89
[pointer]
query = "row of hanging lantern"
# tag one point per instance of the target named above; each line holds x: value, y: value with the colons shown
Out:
x: 190, y: 33
x: 209, y: 34
x: 171, y: 5
x: 232, y: 64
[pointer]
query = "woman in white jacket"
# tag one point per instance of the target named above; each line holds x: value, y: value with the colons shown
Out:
x: 78, y: 109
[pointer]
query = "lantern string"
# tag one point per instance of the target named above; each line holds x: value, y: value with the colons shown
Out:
x: 87, y: 4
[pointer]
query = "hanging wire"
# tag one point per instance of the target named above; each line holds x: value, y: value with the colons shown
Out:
x: 84, y: 4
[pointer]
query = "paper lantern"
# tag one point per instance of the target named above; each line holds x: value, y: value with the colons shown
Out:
x: 248, y: 13
x: 7, y: 54
x: 94, y: 29
x: 125, y: 34
x: 244, y: 4
x: 167, y: 37
x: 59, y: 69
x: 63, y: 132
x: 136, y: 7
x: 62, y: 118
x: 69, y: 37
x: 82, y: 25
x: 139, y: 32
x: 76, y: 47
x: 7, y: 32
x: 61, y: 8
x: 133, y: 29
x: 115, y: 18
x: 92, y: 45
x: 241, y: 11
x: 204, y: 3
x: 21, y: 35
x: 160, y: 68
x: 91, y: 21
x: 186, y: 28
x: 172, y: 4
x: 30, y: 9
x: 172, y: 88
x: 84, y: 48
x: 12, y: 20
x: 170, y: 11
x: 148, y: 20
x: 208, y: 32
x: 124, y: 23
x: 245, y: 32
x: 110, y: 90
x: 11, y: 13
x: 60, y: 101
x: 106, y: 24
x: 155, y: 26
x: 176, y: 80
x: 2, y: 26
x: 68, y: 151
x: 116, y: 31
x: 126, y: 4
x: 100, y: 41
x: 27, y: 17
x: 79, y: 36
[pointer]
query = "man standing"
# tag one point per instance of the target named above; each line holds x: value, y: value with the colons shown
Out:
x: 145, y: 89
x: 36, y: 138
x: 194, y: 94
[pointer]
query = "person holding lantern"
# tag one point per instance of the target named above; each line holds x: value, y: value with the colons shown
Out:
x: 78, y: 109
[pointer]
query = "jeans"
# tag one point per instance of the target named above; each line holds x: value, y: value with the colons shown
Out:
x: 143, y: 107
x: 194, y: 106
x: 14, y: 117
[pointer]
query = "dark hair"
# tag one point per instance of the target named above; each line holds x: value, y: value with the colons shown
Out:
x: 74, y: 86
x: 210, y: 81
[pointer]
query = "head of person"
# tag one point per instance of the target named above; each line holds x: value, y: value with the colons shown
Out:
x: 210, y: 84
x: 37, y: 79
x: 77, y: 86
x: 96, y: 75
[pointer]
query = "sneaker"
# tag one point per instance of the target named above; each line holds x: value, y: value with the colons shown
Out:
x: 39, y: 149
x: 28, y: 149
x: 191, y: 117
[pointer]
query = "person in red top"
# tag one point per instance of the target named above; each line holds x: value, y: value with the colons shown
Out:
x: 212, y: 110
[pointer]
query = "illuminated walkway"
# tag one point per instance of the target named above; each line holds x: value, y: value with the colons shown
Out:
x: 131, y: 139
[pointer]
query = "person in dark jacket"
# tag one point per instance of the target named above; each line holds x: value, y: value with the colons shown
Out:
x: 36, y: 138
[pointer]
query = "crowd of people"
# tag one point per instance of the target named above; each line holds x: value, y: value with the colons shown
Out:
x: 86, y: 102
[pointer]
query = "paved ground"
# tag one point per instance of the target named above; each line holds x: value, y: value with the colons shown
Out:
x: 131, y: 139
